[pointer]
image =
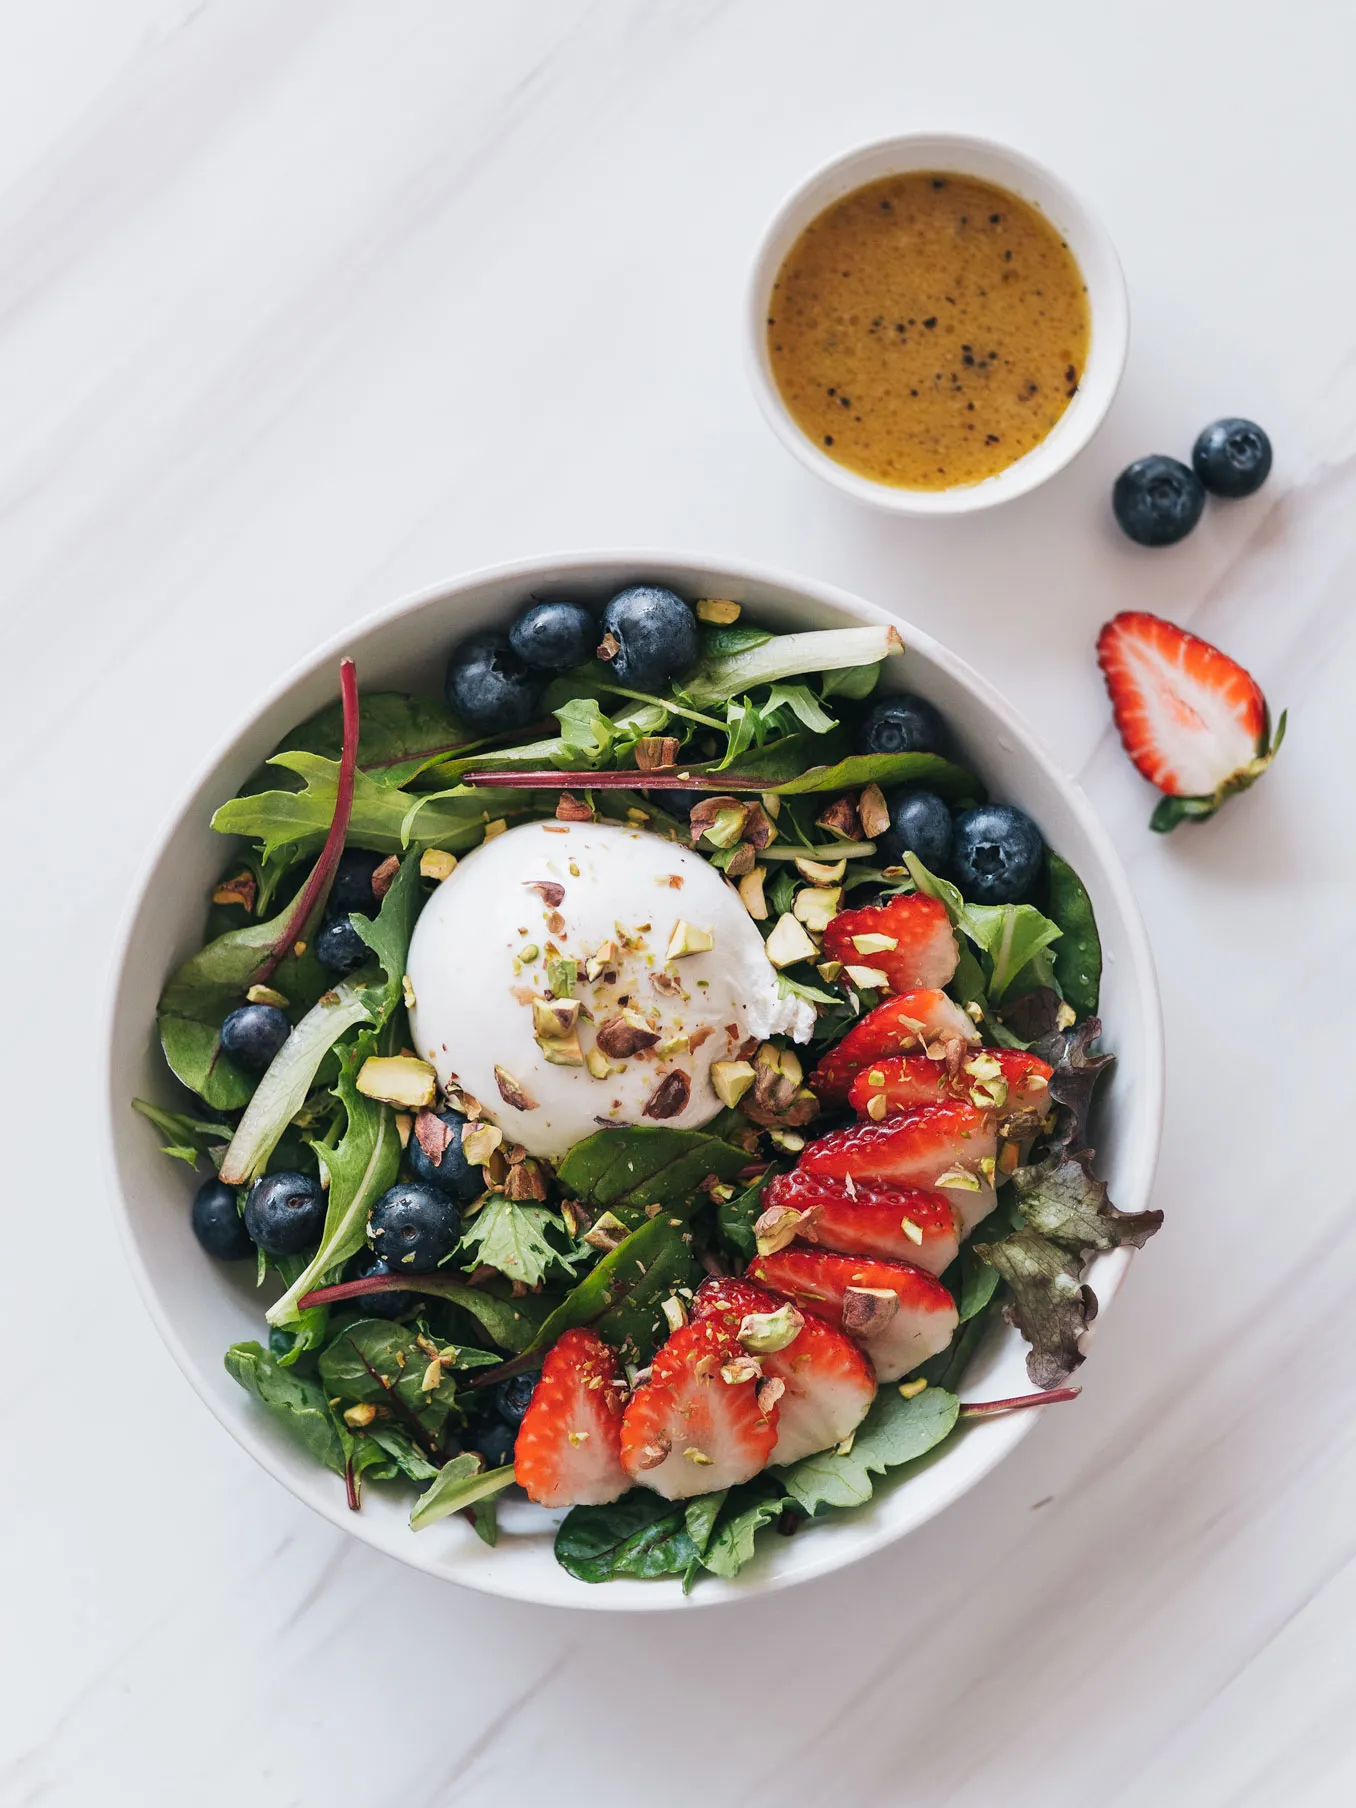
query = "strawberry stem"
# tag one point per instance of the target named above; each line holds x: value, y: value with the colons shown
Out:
x: 312, y: 895
x: 985, y: 1409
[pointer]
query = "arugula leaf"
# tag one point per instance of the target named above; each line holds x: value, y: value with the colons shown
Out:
x: 282, y: 1091
x: 895, y: 1431
x: 398, y: 738
x: 360, y: 1170
x: 297, y: 1402
x: 1011, y: 935
x: 786, y: 656
x: 512, y: 1238
x: 585, y: 732
x: 799, y: 988
x: 622, y: 1297
x: 743, y: 1514
x: 461, y: 1483
x: 1051, y: 1306
x: 298, y: 821
x: 1063, y: 1200
x: 190, y: 1138
x: 1078, y: 958
x: 641, y: 1535
x: 950, y: 781
x: 624, y: 1170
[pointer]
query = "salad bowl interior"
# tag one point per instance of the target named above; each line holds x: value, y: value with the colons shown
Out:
x: 201, y: 1307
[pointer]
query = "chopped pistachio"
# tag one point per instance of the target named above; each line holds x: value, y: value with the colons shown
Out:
x: 1065, y: 1017
x: 867, y: 1310
x: 911, y: 1230
x: 401, y: 1080
x: 672, y: 1045
x: 844, y: 1445
x: 740, y: 1369
x: 554, y: 1017
x: 771, y: 803
x: 719, y: 611
x: 873, y: 812
x: 816, y: 906
x: 769, y: 1392
x: 266, y: 995
x: 983, y: 1067
x: 731, y: 1080
x: 675, y: 1313
x: 986, y: 1167
x: 433, y: 1377
x: 606, y: 1233
x: 910, y: 1390
x: 637, y: 816
x: 511, y: 1092
x: 829, y: 970
x: 436, y: 863
x: 688, y: 939
x: 789, y: 943
x: 975, y: 1011
x: 775, y: 1228
x: 495, y: 828
x: 603, y: 957
x: 404, y: 1124
x: 820, y: 872
x: 751, y: 894
x: 990, y: 1097
x: 726, y: 827
x: 875, y: 944
x: 360, y: 1415
x: 867, y: 978
x: 877, y: 1107
x: 599, y: 1065
x: 479, y: 1142
x: 765, y: 1333
x: 957, y: 1180
x: 789, y: 1141
x: 562, y: 1051
x: 561, y: 973
x: 694, y: 1455
x: 407, y: 991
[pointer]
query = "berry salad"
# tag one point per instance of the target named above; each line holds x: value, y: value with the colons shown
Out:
x: 639, y: 1079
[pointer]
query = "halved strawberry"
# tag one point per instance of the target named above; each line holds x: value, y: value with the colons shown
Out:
x: 900, y: 1224
x: 688, y: 1430
x: 928, y: 1018
x: 899, y: 1315
x: 1006, y: 1080
x: 947, y: 1148
x: 828, y: 1383
x: 1192, y: 720
x: 568, y: 1451
x: 909, y: 940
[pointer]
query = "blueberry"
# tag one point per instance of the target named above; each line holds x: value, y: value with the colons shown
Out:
x: 996, y: 854
x: 413, y: 1227
x: 217, y: 1223
x: 513, y: 1397
x: 552, y: 637
x: 365, y: 1266
x: 284, y: 1213
x: 495, y: 1442
x: 451, y: 1171
x: 656, y: 635
x: 253, y: 1034
x: 352, y: 887
x: 1157, y: 501
x: 902, y: 724
x: 339, y: 947
x: 489, y: 686
x: 1232, y: 457
x: 919, y: 823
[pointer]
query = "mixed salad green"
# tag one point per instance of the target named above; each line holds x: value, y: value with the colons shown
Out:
x: 801, y: 782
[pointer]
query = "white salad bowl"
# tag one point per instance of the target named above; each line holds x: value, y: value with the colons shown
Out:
x: 201, y: 1307
x: 961, y: 155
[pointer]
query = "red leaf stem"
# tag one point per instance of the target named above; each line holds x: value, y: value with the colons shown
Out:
x: 984, y: 1409
x: 620, y: 781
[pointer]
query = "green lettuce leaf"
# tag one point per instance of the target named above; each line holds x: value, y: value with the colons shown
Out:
x: 1010, y: 935
x: 641, y: 1535
x: 295, y: 1401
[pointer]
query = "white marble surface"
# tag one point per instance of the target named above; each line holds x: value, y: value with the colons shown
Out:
x: 304, y: 303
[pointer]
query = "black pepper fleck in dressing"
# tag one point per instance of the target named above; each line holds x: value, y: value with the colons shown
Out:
x: 970, y: 264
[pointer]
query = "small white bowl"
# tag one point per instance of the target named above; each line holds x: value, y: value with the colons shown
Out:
x: 201, y: 1306
x: 1087, y: 239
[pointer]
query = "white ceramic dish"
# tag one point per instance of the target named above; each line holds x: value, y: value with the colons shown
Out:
x: 1087, y: 239
x: 200, y: 1307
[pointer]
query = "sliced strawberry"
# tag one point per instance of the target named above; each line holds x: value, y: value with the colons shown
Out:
x: 920, y: 948
x: 900, y: 1224
x: 828, y: 1384
x: 947, y: 1148
x: 928, y: 1018
x: 688, y: 1430
x: 1006, y: 1080
x: 1192, y: 720
x: 568, y: 1451
x: 899, y: 1315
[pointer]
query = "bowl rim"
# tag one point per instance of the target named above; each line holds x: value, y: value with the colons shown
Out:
x: 1109, y: 310
x: 1003, y: 1434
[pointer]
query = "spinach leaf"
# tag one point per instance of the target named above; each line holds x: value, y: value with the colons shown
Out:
x: 373, y: 1360
x: 297, y: 1402
x: 190, y: 1138
x: 744, y: 1513
x: 641, y: 1535
x: 978, y: 1282
x: 513, y: 1238
x: 952, y: 782
x: 1078, y: 958
x: 624, y: 1170
x: 735, y: 1218
x: 399, y: 735
x: 853, y: 681
x: 895, y: 1431
x: 408, y: 1458
x: 312, y: 1325
x: 360, y: 1170
x: 622, y: 1297
x: 461, y: 1483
